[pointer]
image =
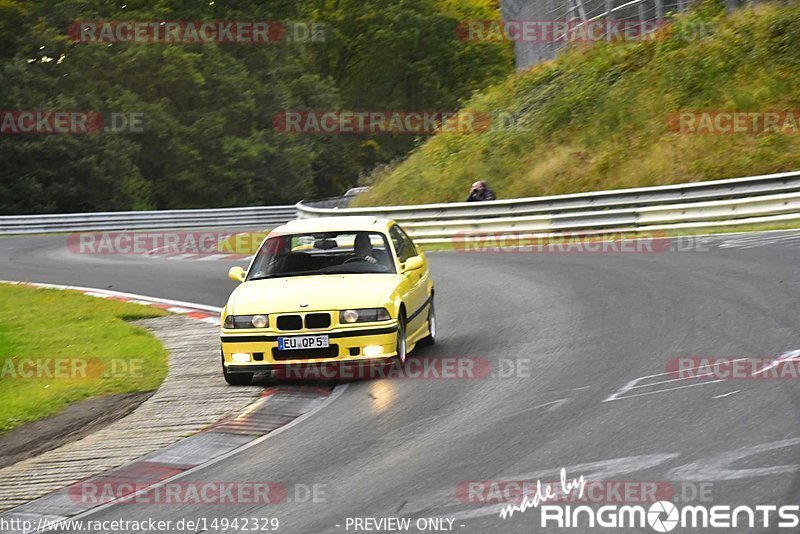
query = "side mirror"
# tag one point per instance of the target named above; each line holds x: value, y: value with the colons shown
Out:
x: 413, y: 263
x: 237, y: 274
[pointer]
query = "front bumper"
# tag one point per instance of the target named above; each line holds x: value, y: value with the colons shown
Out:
x: 346, y: 345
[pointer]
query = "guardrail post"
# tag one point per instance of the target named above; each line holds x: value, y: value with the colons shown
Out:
x: 642, y: 15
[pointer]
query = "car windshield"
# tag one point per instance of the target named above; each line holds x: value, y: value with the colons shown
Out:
x: 322, y: 253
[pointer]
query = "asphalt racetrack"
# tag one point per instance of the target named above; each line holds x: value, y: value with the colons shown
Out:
x: 588, y: 339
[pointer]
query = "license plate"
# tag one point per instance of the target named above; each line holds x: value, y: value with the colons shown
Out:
x: 302, y: 342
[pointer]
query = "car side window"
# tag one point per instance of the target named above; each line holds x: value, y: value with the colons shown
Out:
x: 402, y: 244
x: 397, y: 240
x: 408, y: 245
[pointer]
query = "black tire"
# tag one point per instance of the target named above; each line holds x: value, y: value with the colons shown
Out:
x: 402, y: 347
x: 236, y: 379
x: 430, y: 339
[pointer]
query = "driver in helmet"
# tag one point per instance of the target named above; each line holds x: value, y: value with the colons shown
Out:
x: 362, y: 247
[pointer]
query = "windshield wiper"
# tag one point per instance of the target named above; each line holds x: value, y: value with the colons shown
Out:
x: 285, y: 275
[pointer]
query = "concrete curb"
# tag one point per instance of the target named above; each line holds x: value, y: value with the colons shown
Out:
x: 193, y: 419
x: 201, y: 312
x: 186, y: 402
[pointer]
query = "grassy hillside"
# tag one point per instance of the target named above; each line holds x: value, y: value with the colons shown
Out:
x: 597, y: 117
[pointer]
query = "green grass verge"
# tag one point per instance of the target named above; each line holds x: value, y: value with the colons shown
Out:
x: 60, y: 347
x: 599, y: 116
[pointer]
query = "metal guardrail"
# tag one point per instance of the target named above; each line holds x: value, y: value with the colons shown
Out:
x: 262, y: 216
x: 754, y: 199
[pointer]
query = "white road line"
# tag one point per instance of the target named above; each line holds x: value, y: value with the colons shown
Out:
x: 785, y: 357
x: 176, y: 306
x: 636, y: 382
x: 649, y: 384
x: 756, y: 240
x: 553, y: 405
x: 153, y: 252
x: 556, y: 404
x: 613, y: 398
x: 726, y: 394
x: 633, y: 383
x: 110, y: 293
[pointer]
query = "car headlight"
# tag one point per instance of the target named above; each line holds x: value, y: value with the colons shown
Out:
x: 246, y: 321
x: 364, y: 315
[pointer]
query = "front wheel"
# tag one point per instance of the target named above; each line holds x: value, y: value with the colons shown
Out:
x: 400, y: 358
x: 236, y: 379
x: 430, y: 339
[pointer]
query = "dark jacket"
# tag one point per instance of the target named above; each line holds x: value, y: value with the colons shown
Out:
x: 479, y: 195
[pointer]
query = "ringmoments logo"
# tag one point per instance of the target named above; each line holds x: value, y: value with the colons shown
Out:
x: 660, y: 516
x: 664, y: 516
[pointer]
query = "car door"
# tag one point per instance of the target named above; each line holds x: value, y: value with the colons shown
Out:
x: 415, y: 283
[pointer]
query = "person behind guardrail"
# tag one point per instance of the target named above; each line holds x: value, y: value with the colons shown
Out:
x: 480, y: 192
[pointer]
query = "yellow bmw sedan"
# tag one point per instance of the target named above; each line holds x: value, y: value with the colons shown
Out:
x: 333, y: 289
